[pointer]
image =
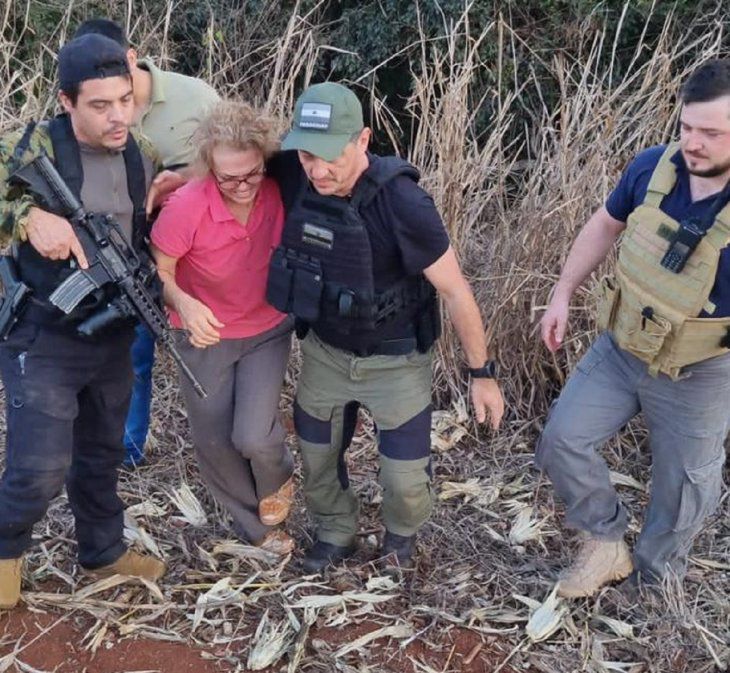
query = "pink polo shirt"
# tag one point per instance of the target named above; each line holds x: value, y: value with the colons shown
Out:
x: 221, y: 262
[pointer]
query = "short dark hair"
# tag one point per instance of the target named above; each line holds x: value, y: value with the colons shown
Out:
x: 72, y: 92
x: 105, y: 27
x: 709, y: 82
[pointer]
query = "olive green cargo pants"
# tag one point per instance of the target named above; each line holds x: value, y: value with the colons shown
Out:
x: 397, y: 390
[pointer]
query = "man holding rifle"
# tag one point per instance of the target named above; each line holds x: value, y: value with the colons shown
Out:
x: 67, y: 395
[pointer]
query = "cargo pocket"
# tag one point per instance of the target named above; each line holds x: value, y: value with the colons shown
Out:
x: 700, y: 494
x: 594, y: 355
x: 21, y: 339
x: 607, y: 303
x: 647, y: 336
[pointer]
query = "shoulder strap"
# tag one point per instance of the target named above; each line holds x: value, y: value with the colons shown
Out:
x: 23, y: 145
x: 718, y: 233
x: 663, y: 178
x: 137, y: 188
x: 377, y: 176
x: 66, y: 153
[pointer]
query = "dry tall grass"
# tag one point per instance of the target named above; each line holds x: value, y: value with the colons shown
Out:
x: 513, y: 199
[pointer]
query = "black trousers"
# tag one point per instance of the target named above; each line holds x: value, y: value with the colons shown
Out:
x: 66, y: 402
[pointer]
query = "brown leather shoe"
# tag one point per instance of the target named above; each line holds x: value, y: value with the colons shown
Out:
x: 133, y: 564
x: 10, y: 582
x: 274, y: 508
x: 277, y: 542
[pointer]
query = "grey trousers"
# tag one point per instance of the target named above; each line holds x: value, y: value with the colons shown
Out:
x: 687, y: 420
x: 237, y: 431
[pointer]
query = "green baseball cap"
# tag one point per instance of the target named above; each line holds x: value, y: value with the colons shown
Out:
x: 326, y: 116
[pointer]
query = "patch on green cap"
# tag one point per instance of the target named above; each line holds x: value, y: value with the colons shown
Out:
x: 326, y: 117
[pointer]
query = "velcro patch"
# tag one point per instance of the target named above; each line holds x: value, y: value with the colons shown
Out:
x: 317, y: 236
x: 315, y: 116
x: 665, y: 232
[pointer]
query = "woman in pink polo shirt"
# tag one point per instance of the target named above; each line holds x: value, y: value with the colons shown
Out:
x: 212, y: 243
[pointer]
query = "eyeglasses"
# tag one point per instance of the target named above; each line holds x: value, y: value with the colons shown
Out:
x: 235, y: 181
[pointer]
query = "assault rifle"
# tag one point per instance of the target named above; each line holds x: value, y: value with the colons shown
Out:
x: 112, y: 261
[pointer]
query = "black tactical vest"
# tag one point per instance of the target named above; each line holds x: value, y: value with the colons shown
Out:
x: 44, y: 275
x: 322, y: 272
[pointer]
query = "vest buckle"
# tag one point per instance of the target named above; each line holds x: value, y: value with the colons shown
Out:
x: 346, y: 304
x: 725, y: 341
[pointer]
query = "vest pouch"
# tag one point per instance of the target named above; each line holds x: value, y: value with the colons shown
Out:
x: 428, y: 326
x: 307, y: 294
x: 279, y: 283
x: 607, y: 303
x: 700, y: 339
x: 647, y: 335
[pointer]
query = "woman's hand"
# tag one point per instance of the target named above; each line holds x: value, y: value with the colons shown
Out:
x: 199, y: 320
x: 162, y: 186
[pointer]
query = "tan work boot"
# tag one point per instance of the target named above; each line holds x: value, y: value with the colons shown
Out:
x: 277, y: 542
x: 133, y: 564
x: 599, y: 562
x: 10, y: 582
x: 274, y: 508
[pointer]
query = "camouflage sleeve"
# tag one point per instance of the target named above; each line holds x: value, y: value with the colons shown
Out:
x: 14, y: 202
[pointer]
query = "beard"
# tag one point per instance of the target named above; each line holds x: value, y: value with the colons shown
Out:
x: 113, y: 143
x: 711, y: 172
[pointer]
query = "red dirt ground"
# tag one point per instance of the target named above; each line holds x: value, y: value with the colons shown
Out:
x: 52, y: 642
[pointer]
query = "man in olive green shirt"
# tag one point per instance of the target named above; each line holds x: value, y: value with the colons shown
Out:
x: 168, y: 107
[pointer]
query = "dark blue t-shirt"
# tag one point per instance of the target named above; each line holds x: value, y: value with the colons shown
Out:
x: 630, y: 192
x: 405, y: 229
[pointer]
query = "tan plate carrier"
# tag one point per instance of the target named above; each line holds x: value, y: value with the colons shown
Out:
x: 651, y: 311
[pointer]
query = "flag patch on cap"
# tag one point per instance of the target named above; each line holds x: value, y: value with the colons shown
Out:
x: 315, y: 116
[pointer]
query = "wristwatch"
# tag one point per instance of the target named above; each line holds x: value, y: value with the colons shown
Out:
x: 488, y: 371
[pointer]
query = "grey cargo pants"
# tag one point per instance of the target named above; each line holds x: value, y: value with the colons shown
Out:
x: 237, y: 430
x: 687, y: 420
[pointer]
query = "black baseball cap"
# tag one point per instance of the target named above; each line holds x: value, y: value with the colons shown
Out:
x: 106, y: 27
x: 90, y: 56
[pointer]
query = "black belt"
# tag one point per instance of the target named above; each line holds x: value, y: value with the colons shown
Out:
x: 389, y: 347
x: 43, y: 313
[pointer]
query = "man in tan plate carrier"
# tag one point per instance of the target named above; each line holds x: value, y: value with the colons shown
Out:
x: 665, y: 349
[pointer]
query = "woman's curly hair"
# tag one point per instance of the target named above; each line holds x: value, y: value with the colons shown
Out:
x: 239, y: 126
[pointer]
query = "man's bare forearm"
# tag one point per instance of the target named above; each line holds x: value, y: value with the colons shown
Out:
x: 446, y: 277
x: 465, y: 316
x: 590, y: 248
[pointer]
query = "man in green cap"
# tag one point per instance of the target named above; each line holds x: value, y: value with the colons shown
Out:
x: 363, y: 255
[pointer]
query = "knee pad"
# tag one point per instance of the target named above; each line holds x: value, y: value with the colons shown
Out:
x: 409, y: 441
